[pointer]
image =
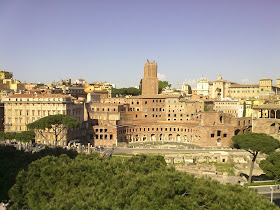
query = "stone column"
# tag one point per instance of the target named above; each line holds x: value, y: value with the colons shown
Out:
x: 79, y: 147
x: 89, y: 148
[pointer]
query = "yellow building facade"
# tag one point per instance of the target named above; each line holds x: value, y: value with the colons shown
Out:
x: 21, y: 109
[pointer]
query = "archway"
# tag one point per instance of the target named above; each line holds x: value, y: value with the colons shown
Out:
x: 272, y: 128
x: 178, y: 137
x: 170, y: 138
x: 153, y: 137
x: 278, y: 114
x: 218, y: 142
x: 249, y: 130
x: 236, y: 132
x: 272, y: 114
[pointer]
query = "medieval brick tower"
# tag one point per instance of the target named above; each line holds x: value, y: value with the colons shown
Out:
x: 150, y: 80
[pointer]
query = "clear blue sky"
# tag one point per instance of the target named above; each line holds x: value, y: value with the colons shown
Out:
x: 110, y: 40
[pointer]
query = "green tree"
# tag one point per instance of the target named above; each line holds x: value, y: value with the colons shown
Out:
x: 122, y: 183
x: 162, y: 85
x: 271, y: 165
x: 10, y: 135
x: 56, y: 123
x: 126, y: 91
x: 13, y: 161
x: 140, y: 86
x: 25, y: 136
x: 2, y: 136
x: 244, y: 109
x: 255, y: 143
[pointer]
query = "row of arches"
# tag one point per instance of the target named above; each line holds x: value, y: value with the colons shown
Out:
x: 267, y: 113
x: 162, y: 137
x: 243, y: 131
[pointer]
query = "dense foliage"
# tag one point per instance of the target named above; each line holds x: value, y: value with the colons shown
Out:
x: 57, y: 123
x: 12, y: 161
x: 255, y: 143
x: 271, y: 165
x: 162, y: 85
x: 140, y: 182
x: 122, y: 92
x: 25, y: 136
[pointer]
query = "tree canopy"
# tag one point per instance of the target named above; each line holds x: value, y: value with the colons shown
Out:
x: 271, y: 165
x: 255, y: 143
x: 13, y: 161
x: 56, y: 123
x: 25, y: 136
x: 126, y: 91
x: 10, y: 135
x: 162, y: 85
x: 140, y: 182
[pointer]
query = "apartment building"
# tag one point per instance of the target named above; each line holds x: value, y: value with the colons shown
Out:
x: 21, y: 109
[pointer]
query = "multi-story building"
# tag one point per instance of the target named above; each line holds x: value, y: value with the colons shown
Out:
x: 21, y: 109
x: 8, y: 83
x: 154, y: 117
x: 266, y: 119
x: 203, y: 87
x: 222, y: 89
x: 238, y: 91
x: 219, y: 89
x: 229, y: 107
x: 97, y: 86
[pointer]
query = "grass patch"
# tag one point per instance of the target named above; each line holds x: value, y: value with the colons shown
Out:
x: 261, y: 183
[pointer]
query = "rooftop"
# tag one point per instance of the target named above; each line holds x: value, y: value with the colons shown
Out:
x: 39, y: 96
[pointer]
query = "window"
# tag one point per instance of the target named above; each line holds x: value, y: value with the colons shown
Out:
x: 212, y: 135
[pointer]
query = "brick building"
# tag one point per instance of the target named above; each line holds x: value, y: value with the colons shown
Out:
x: 154, y: 117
